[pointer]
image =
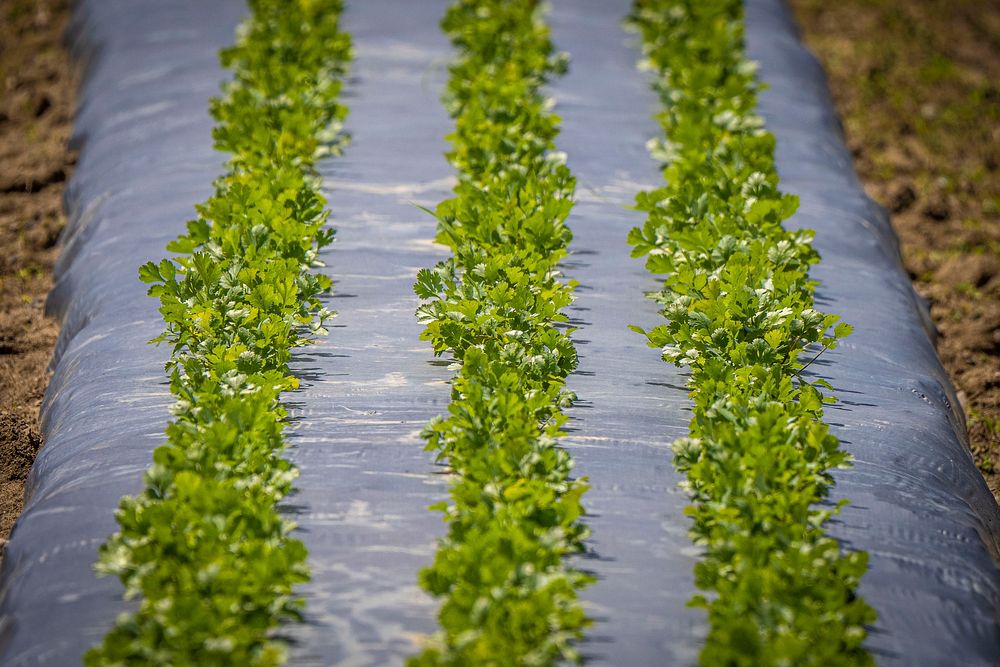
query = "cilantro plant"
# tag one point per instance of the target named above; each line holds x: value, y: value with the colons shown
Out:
x: 740, y: 313
x: 204, y: 546
x: 495, y: 306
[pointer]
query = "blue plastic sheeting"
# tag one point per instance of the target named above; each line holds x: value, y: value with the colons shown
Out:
x: 918, y: 505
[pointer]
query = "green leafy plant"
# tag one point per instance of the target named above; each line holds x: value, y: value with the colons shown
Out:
x: 203, y: 545
x: 740, y: 315
x: 496, y: 307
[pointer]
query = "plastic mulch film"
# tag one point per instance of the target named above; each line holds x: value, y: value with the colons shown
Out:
x: 918, y: 506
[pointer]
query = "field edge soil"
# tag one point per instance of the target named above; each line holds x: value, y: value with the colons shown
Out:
x: 917, y: 86
x: 37, y: 88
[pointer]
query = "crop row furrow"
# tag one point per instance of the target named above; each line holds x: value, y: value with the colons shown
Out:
x: 495, y: 306
x: 740, y: 313
x: 204, y: 545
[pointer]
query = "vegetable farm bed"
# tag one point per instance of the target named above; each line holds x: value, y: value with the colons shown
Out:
x: 918, y: 507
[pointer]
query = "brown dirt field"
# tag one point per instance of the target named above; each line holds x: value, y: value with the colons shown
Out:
x: 917, y: 85
x: 36, y: 105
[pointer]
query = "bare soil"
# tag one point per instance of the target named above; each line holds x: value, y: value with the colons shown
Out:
x: 36, y: 105
x: 917, y: 84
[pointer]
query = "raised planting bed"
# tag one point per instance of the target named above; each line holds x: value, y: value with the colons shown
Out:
x: 515, y: 573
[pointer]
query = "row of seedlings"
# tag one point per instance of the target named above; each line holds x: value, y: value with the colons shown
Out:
x: 740, y: 309
x: 495, y: 306
x: 204, y: 545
